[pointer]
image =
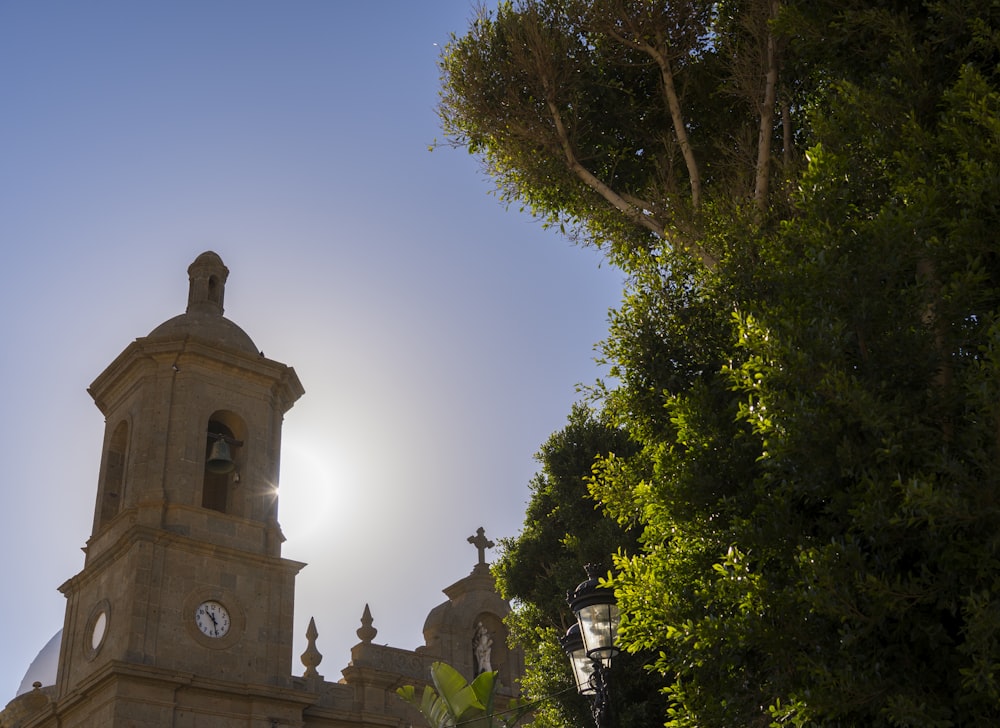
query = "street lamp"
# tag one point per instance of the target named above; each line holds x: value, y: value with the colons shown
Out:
x: 583, y: 666
x: 590, y: 644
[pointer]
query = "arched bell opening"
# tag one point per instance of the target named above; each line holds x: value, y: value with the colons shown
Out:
x: 112, y: 491
x: 223, y: 458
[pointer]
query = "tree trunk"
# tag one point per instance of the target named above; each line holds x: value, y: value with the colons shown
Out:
x: 766, y: 131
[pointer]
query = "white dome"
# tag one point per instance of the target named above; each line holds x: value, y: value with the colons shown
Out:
x: 44, y: 667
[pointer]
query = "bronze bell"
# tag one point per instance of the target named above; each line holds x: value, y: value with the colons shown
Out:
x: 220, y: 460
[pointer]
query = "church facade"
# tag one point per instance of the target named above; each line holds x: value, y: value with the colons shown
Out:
x: 182, y: 613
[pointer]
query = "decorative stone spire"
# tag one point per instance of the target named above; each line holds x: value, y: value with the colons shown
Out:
x: 207, y: 276
x: 311, y: 657
x: 366, y: 633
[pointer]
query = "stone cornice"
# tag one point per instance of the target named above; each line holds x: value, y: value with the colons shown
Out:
x: 280, y: 379
x: 182, y: 680
x: 136, y: 533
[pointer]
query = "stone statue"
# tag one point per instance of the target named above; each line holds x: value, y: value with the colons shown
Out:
x: 482, y: 644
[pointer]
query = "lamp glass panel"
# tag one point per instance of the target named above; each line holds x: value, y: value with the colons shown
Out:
x: 599, y: 628
x: 583, y: 668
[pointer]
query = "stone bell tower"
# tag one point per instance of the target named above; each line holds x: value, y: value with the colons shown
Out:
x: 184, y: 594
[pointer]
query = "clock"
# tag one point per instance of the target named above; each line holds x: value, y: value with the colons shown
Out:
x: 212, y: 619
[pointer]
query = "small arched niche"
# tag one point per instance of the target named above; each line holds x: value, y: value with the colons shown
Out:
x: 112, y: 492
x: 215, y: 290
x: 224, y: 439
x: 489, y: 644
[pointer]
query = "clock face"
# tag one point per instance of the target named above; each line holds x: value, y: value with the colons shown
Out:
x: 212, y: 619
x: 98, y: 630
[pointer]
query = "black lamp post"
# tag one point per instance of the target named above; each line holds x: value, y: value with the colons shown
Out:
x: 590, y: 644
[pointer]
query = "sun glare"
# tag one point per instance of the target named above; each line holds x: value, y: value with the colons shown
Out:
x: 314, y: 488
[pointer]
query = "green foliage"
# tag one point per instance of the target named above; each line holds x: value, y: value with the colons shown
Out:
x: 563, y: 527
x: 616, y: 120
x: 563, y: 530
x: 547, y: 680
x: 454, y: 701
x: 808, y: 498
x: 820, y: 515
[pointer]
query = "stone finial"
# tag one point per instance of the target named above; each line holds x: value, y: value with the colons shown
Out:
x: 481, y: 543
x: 35, y: 699
x: 367, y: 633
x: 311, y: 657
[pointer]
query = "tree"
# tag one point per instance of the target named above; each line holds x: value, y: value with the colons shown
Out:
x: 454, y: 701
x: 616, y: 118
x: 563, y: 530
x: 810, y: 384
x: 821, y: 521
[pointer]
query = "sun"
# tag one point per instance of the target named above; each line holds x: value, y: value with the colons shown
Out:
x: 315, y: 492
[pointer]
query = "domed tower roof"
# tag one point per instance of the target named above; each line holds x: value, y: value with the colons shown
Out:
x: 43, y: 668
x: 203, y: 319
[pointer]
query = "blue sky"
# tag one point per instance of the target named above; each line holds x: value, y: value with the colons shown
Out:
x: 439, y: 336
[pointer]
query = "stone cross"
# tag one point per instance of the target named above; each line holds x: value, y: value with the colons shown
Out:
x: 481, y: 543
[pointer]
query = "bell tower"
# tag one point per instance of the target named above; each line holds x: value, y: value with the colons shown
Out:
x: 183, y: 590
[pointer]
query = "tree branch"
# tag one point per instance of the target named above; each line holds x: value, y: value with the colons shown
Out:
x: 673, y: 105
x: 639, y: 216
x: 677, y: 116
